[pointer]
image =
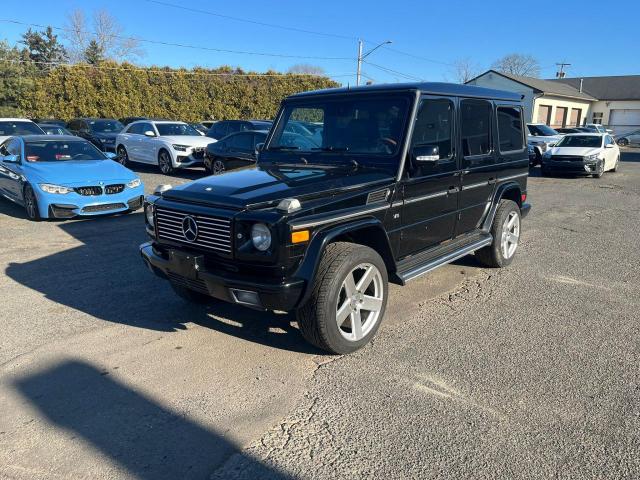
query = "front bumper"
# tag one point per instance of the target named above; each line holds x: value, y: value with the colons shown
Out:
x: 75, y: 205
x: 574, y: 167
x: 185, y: 270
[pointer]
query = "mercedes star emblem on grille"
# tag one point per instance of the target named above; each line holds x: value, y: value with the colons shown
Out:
x: 189, y: 229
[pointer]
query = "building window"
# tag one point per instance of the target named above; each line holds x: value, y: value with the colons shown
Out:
x: 597, y: 118
x: 544, y: 114
x: 560, y: 119
x: 576, y: 115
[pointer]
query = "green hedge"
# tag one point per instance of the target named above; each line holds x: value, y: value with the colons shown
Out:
x: 123, y: 90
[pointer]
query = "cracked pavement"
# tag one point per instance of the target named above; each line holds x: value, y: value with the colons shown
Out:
x: 525, y: 372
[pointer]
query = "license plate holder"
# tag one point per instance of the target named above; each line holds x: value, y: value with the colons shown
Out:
x: 186, y: 264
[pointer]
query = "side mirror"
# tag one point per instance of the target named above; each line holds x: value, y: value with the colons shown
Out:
x: 10, y: 159
x: 259, y: 147
x: 609, y: 145
x: 425, y: 154
x: 110, y: 155
x: 149, y: 133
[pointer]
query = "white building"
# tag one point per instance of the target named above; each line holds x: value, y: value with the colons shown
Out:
x: 611, y: 101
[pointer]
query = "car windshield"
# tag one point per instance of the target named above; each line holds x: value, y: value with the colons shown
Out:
x: 589, y: 141
x: 19, y: 128
x: 169, y: 129
x: 60, y: 151
x: 541, y: 130
x: 105, y: 126
x: 54, y: 130
x: 355, y: 124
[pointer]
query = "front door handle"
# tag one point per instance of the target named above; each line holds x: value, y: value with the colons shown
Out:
x: 453, y: 190
x: 492, y: 181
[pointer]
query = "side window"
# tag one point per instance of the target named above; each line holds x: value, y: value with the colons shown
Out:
x: 234, y: 127
x: 3, y: 148
x: 219, y: 130
x: 145, y: 127
x: 74, y: 125
x: 475, y: 122
x: 135, y: 129
x: 242, y: 142
x: 13, y: 148
x: 608, y: 140
x: 510, y: 136
x: 433, y: 132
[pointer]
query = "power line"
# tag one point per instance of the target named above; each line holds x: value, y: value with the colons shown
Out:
x: 254, y: 22
x: 176, y: 72
x: 181, y: 45
x: 394, y: 72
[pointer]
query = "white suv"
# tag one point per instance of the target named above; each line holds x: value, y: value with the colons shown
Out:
x: 170, y: 145
x: 540, y: 137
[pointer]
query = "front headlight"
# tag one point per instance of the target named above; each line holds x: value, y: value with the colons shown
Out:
x: 148, y: 213
x: 49, y: 188
x: 592, y: 158
x: 261, y: 236
x: 180, y: 148
x: 134, y: 183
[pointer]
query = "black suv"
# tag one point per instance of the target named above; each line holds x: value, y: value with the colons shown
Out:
x: 404, y: 179
x: 226, y: 127
x: 102, y: 132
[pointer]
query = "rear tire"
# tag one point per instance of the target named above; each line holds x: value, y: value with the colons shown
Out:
x: 164, y: 162
x: 31, y: 204
x: 505, y: 229
x: 218, y: 167
x: 191, y: 296
x: 623, y: 142
x: 351, y: 284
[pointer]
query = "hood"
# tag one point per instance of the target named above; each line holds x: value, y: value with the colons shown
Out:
x: 544, y: 139
x: 264, y: 186
x: 575, y: 151
x: 77, y: 173
x: 190, y: 140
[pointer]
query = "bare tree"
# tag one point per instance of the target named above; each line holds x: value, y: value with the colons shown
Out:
x: 464, y: 69
x: 107, y: 33
x: 305, y: 68
x: 518, y: 64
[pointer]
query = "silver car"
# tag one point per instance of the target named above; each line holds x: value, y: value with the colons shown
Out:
x: 631, y: 138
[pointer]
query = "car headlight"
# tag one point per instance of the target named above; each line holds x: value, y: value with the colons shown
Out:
x: 180, y: 148
x: 50, y: 188
x: 134, y: 183
x: 148, y: 213
x: 261, y: 236
x: 591, y: 158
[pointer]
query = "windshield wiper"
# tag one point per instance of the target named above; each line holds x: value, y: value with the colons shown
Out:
x: 283, y: 147
x: 332, y: 149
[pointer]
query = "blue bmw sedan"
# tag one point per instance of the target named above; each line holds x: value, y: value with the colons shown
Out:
x: 62, y: 176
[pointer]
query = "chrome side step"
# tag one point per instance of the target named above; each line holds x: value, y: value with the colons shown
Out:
x: 443, y: 260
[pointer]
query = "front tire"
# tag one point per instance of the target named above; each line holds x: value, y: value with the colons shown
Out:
x: 616, y: 167
x: 31, y: 204
x: 348, y: 299
x: 218, y: 167
x: 600, y: 171
x: 506, y: 236
x: 164, y: 163
x: 123, y: 157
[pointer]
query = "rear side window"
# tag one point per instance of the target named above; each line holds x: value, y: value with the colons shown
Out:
x: 475, y: 127
x: 242, y: 141
x: 510, y: 135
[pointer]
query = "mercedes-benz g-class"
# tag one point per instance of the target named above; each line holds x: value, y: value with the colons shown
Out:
x: 396, y: 181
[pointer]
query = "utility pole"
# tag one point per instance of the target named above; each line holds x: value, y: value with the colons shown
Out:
x: 359, y: 62
x: 362, y: 56
x: 560, y: 73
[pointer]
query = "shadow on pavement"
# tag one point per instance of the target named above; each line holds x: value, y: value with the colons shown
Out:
x: 106, y: 278
x: 630, y: 155
x: 147, y: 440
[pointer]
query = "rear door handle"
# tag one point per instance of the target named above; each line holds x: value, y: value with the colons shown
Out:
x: 492, y: 181
x: 453, y: 190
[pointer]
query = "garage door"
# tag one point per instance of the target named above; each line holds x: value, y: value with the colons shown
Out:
x: 623, y: 121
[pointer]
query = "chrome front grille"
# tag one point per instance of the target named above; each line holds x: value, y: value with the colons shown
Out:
x: 213, y: 233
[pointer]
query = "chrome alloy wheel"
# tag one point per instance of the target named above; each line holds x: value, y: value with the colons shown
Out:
x: 510, y: 235
x: 359, y: 302
x: 218, y: 167
x: 165, y: 163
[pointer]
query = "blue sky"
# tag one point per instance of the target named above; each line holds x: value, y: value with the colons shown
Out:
x: 596, y: 38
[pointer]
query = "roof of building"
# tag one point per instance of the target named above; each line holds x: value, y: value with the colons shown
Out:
x: 624, y: 87
x: 543, y: 86
x: 435, y: 88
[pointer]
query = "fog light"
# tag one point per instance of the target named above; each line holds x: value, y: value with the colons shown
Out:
x: 246, y: 297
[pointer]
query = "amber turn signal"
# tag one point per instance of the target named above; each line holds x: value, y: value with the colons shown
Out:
x: 300, y: 236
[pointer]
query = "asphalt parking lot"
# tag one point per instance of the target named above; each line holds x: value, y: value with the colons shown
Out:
x: 525, y: 372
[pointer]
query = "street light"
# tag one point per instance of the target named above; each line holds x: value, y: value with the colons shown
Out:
x: 362, y: 56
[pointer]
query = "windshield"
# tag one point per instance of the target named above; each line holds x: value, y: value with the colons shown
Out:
x: 588, y: 141
x: 168, y: 129
x: 54, y: 130
x: 541, y: 130
x: 19, y: 128
x: 60, y: 151
x: 105, y: 126
x: 354, y: 124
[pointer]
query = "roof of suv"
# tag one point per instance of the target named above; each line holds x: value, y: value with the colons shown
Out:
x: 436, y: 88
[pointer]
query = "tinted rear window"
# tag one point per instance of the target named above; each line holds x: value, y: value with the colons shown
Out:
x: 19, y: 128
